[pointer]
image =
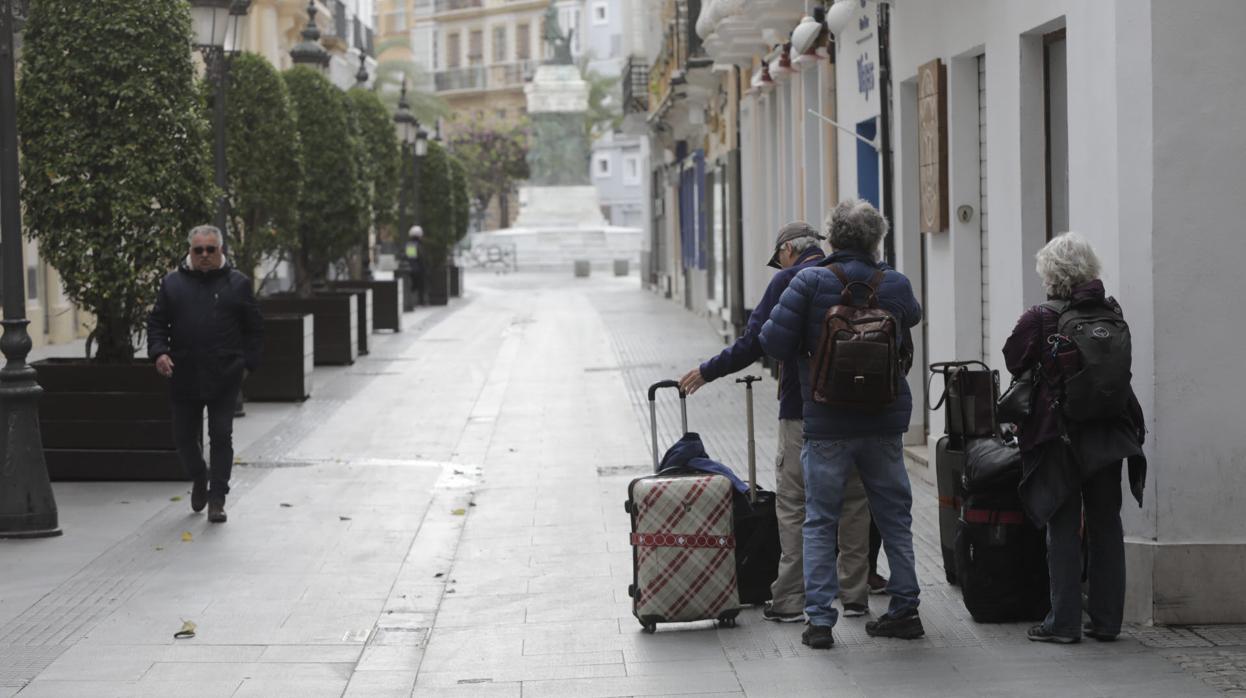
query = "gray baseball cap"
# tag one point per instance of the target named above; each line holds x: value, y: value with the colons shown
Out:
x: 789, y: 232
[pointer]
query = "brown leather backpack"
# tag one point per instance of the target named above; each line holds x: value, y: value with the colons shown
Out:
x: 857, y: 362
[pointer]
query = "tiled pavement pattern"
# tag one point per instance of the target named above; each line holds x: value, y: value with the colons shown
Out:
x: 455, y: 527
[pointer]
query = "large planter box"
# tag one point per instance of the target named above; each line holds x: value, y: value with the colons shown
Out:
x: 285, y: 373
x: 387, y: 300
x: 106, y: 421
x: 336, y: 323
x: 456, y: 281
x: 363, y: 313
x: 437, y: 285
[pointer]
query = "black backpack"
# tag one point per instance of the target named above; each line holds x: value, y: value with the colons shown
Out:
x: 1094, y: 351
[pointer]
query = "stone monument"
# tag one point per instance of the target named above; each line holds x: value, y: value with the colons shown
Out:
x: 560, y: 218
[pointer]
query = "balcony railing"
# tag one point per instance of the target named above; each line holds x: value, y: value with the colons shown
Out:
x: 635, y: 86
x: 453, y: 5
x: 485, y: 77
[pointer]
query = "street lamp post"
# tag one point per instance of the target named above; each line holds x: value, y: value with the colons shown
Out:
x: 27, y: 506
x: 309, y: 52
x: 406, y: 126
x: 219, y: 25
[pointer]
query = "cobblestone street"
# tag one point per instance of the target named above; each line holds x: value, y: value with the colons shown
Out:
x: 445, y: 517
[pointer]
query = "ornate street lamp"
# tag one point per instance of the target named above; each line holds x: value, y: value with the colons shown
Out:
x: 27, y: 506
x: 309, y: 52
x: 219, y: 26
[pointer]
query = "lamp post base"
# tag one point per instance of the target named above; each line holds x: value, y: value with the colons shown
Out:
x: 27, y: 507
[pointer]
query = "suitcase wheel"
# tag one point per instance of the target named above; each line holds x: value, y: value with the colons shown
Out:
x: 627, y: 506
x: 726, y: 622
x: 650, y: 628
x: 631, y: 591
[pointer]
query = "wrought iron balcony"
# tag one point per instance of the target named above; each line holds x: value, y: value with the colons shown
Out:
x: 454, y: 5
x: 497, y: 76
x: 635, y: 86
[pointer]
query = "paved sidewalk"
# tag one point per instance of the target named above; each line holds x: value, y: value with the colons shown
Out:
x: 455, y: 527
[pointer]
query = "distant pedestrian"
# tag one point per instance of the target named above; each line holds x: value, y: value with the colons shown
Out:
x: 840, y: 440
x: 1076, y: 436
x: 415, y: 262
x: 204, y: 332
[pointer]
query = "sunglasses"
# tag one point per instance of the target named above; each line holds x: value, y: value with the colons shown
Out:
x: 210, y: 249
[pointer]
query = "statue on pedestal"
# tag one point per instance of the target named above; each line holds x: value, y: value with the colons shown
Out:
x: 560, y: 44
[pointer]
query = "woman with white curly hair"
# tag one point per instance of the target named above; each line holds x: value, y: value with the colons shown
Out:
x: 1073, y: 463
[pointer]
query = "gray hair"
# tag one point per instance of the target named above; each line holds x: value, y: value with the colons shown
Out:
x: 1065, y: 263
x: 856, y: 225
x: 205, y: 230
x: 800, y: 244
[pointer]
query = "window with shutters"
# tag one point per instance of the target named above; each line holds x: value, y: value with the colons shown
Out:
x: 523, y: 39
x: 476, y: 47
x: 499, y: 44
x: 452, y: 50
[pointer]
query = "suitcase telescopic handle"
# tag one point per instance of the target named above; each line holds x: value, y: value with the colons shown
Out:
x: 653, y: 412
x: 748, y: 382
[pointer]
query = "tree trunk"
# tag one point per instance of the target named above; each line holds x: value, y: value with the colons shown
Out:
x: 114, y: 344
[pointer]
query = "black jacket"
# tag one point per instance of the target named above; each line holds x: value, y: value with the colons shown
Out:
x: 210, y: 325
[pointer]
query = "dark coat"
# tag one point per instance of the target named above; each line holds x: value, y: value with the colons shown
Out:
x: 795, y: 326
x: 747, y: 349
x: 1053, y: 465
x: 210, y: 325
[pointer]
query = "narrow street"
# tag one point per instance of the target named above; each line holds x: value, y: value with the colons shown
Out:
x: 445, y: 517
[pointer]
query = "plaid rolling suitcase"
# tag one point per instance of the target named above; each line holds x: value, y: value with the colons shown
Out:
x: 683, y: 543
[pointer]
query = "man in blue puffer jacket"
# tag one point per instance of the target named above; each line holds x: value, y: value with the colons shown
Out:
x: 840, y: 440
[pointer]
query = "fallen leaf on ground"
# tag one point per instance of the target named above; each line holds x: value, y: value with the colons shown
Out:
x: 159, y: 547
x: 186, y: 537
x: 471, y: 504
x: 286, y: 505
x: 187, y: 631
x: 178, y: 498
x: 439, y: 575
x: 343, y: 518
x: 459, y: 512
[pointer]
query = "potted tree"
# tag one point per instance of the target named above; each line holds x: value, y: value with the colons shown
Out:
x: 265, y: 173
x: 115, y: 170
x: 460, y: 202
x: 380, y: 146
x: 332, y: 202
x: 437, y: 219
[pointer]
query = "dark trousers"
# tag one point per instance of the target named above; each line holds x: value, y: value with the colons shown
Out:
x: 876, y: 543
x: 187, y: 422
x: 1105, y: 563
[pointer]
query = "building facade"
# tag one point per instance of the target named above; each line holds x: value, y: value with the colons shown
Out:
x: 992, y: 126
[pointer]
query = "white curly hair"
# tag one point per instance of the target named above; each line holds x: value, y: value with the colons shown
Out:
x: 1065, y: 263
x: 856, y: 225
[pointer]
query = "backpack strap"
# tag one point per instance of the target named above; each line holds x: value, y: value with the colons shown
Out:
x: 847, y: 296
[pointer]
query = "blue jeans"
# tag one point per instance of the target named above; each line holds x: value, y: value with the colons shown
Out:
x: 880, y: 462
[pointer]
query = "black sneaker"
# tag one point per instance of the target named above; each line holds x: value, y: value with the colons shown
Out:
x: 877, y: 583
x: 1040, y: 634
x: 818, y: 637
x: 855, y: 610
x: 906, y: 626
x: 1090, y: 630
x: 768, y: 613
x: 199, y: 495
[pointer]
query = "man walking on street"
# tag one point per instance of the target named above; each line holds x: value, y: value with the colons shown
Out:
x: 841, y: 440
x: 203, y: 332
x: 796, y: 248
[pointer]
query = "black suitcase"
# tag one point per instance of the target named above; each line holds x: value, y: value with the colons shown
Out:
x: 949, y: 466
x: 756, y: 526
x: 1001, y: 558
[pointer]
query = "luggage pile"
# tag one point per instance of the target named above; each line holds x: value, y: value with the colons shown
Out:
x: 990, y: 548
x: 703, y: 543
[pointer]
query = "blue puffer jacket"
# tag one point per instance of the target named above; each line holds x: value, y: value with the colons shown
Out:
x: 795, y: 326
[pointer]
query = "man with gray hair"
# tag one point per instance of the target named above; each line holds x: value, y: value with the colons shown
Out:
x: 797, y: 246
x: 203, y: 332
x: 840, y: 440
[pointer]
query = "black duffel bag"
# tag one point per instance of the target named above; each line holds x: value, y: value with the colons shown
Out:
x: 991, y: 465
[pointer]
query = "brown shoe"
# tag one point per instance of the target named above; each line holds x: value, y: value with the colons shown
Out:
x: 199, y: 495
x: 216, y: 511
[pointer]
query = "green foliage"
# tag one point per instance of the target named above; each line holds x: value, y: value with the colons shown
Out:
x: 426, y: 106
x: 460, y: 202
x: 436, y: 206
x: 604, y: 96
x: 494, y: 159
x: 332, y: 202
x: 381, y: 145
x: 115, y: 163
x: 361, y: 220
x: 265, y: 161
